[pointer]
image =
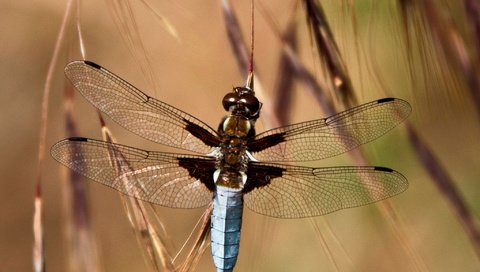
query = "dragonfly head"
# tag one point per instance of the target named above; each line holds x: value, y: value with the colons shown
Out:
x: 242, y: 101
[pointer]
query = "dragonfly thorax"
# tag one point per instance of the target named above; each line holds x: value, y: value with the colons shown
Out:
x: 232, y: 154
x: 236, y: 126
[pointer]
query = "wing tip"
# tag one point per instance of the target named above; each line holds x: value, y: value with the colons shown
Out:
x: 386, y: 99
x: 401, y: 181
x: 383, y: 169
x: 92, y: 64
x: 404, y: 108
x: 77, y: 139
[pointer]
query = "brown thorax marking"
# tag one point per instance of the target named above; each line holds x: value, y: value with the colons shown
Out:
x: 236, y: 126
x: 234, y: 131
x: 230, y: 179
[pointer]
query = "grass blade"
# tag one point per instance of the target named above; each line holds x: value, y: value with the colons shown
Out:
x: 125, y: 20
x: 428, y: 18
x: 240, y: 51
x: 201, y: 242
x: 319, y: 92
x: 234, y: 35
x: 328, y: 50
x: 164, y: 22
x: 38, y: 247
x: 152, y: 242
x: 83, y: 253
x: 283, y: 87
x: 447, y: 187
x: 472, y: 9
x: 38, y: 244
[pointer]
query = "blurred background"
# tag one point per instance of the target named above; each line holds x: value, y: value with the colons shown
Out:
x: 179, y: 52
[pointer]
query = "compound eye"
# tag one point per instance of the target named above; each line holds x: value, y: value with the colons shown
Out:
x: 230, y: 100
x: 251, y: 102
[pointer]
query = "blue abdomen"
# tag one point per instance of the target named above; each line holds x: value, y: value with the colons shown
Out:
x: 225, y: 229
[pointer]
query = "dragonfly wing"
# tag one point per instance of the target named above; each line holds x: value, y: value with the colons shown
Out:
x: 171, y: 180
x: 328, y: 137
x: 285, y: 191
x: 138, y: 112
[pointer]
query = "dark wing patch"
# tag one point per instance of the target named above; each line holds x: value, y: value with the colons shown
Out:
x: 259, y: 175
x: 324, y: 138
x: 167, y: 179
x: 266, y: 142
x: 139, y: 113
x: 201, y: 133
x: 297, y: 192
x: 201, y: 169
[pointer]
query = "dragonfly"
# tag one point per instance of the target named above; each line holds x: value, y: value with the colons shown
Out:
x: 232, y: 166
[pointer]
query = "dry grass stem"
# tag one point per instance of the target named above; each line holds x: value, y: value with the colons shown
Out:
x: 83, y: 253
x: 38, y: 243
x: 164, y: 22
x: 38, y: 247
x: 447, y: 187
x: 240, y: 52
x: 451, y: 48
x: 152, y: 243
x: 325, y: 246
x: 234, y: 35
x: 472, y: 9
x: 328, y: 50
x: 201, y: 243
x: 283, y: 87
x: 123, y: 15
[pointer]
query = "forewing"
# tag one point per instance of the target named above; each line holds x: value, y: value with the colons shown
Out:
x: 138, y: 112
x: 171, y: 180
x: 296, y: 192
x: 328, y: 137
